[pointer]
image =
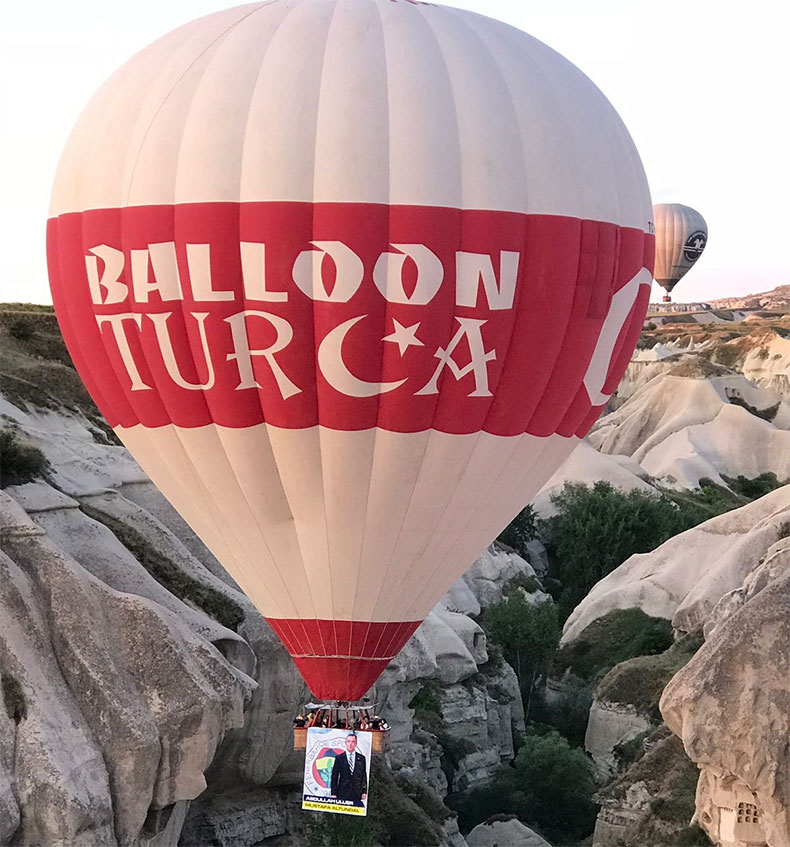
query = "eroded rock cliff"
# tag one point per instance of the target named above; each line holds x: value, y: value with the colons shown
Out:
x: 737, y: 688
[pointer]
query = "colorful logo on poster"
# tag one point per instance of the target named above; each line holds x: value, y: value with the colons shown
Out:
x: 322, y: 766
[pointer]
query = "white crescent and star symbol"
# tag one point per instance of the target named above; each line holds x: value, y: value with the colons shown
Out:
x: 404, y: 336
x: 337, y: 374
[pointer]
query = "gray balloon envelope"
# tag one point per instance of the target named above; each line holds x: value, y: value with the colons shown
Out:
x: 681, y: 236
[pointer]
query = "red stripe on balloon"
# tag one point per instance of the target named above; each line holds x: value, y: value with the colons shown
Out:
x: 537, y: 350
x: 339, y: 678
x: 360, y: 639
x: 352, y: 654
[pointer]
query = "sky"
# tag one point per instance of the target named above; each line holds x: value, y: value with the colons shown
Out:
x: 701, y: 86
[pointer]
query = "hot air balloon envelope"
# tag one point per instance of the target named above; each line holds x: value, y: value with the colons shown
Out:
x: 681, y: 236
x: 350, y: 279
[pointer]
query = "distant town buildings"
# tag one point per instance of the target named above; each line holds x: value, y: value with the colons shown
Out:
x: 656, y: 308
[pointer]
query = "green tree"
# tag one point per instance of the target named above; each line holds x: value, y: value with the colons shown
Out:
x: 520, y: 530
x: 549, y: 787
x: 528, y: 633
x: 596, y: 529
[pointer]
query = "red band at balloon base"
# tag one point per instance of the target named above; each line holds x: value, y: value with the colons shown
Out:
x: 340, y: 660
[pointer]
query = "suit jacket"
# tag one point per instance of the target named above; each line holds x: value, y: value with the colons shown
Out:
x: 347, y: 785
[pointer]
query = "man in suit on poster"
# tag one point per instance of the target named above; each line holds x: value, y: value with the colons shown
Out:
x: 349, y: 773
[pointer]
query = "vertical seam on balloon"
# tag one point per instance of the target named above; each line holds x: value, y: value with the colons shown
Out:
x: 431, y: 433
x: 259, y: 395
x: 537, y: 71
x: 518, y: 440
x: 416, y: 561
x: 376, y: 442
x: 319, y: 427
x: 220, y: 525
x: 66, y: 318
x: 157, y: 449
x: 66, y: 310
x: 562, y: 345
x: 463, y: 485
x: 278, y: 462
x: 172, y: 89
x: 221, y: 533
x: 212, y: 428
x: 132, y: 310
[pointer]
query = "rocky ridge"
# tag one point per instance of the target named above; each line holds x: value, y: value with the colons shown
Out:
x: 99, y: 499
x: 177, y: 686
x: 741, y: 672
x: 777, y: 298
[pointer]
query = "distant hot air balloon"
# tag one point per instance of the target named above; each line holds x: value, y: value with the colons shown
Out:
x: 681, y: 236
x: 350, y: 279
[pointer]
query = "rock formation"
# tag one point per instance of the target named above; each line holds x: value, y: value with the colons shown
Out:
x: 736, y: 688
x: 135, y: 673
x: 611, y: 724
x: 681, y: 429
x: 684, y: 578
x: 100, y: 727
x: 504, y: 833
x: 652, y: 803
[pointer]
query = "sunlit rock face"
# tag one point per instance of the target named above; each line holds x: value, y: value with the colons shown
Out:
x: 680, y: 427
x: 610, y: 724
x: 736, y: 688
x: 511, y: 833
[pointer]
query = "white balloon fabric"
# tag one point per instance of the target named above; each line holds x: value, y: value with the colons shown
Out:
x: 350, y: 279
x: 681, y: 236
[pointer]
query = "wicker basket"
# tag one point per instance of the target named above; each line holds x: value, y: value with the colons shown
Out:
x: 380, y: 740
x: 300, y: 738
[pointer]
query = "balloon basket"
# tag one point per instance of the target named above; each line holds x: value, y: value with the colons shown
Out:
x: 300, y: 738
x: 344, y: 717
x: 380, y: 740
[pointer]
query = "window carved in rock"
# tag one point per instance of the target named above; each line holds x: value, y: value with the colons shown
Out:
x: 747, y: 813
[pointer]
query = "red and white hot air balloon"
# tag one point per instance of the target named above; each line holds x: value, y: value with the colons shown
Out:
x: 350, y: 279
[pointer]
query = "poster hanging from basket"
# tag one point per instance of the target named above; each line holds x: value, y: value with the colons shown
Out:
x: 337, y: 771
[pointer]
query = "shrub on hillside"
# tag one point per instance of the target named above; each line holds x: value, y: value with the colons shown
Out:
x: 753, y: 488
x: 19, y: 462
x: 13, y: 698
x: 619, y: 635
x: 596, y: 529
x: 767, y: 414
x: 401, y: 813
x: 520, y: 530
x: 567, y: 711
x: 639, y: 682
x: 22, y: 328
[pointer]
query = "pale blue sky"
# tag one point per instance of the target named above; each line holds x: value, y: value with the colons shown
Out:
x: 702, y: 87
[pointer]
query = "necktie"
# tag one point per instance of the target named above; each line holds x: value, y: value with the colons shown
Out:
x: 351, y: 762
